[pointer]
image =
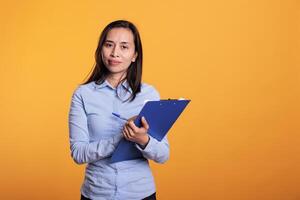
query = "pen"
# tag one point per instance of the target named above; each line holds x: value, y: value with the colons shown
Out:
x: 119, y: 116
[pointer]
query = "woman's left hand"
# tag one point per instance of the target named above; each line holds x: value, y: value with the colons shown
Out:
x: 135, y: 134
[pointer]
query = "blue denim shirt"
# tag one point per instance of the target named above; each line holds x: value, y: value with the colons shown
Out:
x: 94, y: 134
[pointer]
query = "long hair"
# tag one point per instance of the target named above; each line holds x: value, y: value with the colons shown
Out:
x: 134, y: 71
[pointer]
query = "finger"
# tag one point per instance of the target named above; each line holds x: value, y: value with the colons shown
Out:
x: 145, y: 123
x: 126, y: 131
x: 133, y: 126
x: 130, y: 131
x: 125, y: 134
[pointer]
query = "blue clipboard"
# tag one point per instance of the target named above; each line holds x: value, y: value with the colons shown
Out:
x: 160, y: 115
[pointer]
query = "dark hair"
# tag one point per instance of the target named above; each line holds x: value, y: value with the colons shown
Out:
x: 134, y: 71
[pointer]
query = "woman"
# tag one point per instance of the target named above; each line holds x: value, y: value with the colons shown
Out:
x: 114, y: 86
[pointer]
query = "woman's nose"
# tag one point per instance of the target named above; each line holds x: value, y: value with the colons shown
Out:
x: 114, y: 52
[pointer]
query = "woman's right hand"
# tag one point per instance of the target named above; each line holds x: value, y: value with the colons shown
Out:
x: 135, y: 134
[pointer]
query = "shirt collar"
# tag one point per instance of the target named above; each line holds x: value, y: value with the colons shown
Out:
x: 101, y: 85
x: 126, y: 86
x: 105, y: 83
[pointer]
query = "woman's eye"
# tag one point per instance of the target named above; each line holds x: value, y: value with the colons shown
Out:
x: 108, y: 45
x: 124, y: 47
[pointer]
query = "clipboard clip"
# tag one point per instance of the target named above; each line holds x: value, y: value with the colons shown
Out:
x: 169, y: 99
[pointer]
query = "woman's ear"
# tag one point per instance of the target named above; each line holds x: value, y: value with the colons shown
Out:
x: 134, y: 57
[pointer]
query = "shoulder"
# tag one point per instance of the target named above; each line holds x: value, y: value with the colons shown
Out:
x: 84, y: 88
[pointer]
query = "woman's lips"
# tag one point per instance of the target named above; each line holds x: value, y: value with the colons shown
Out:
x: 113, y: 62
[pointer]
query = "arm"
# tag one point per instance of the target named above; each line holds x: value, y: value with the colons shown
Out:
x: 82, y: 150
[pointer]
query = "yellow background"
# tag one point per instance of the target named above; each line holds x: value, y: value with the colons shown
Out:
x: 237, y: 60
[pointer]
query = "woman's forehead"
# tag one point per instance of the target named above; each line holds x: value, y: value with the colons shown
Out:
x: 121, y: 35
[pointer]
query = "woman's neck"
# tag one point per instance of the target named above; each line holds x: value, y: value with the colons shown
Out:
x: 114, y: 79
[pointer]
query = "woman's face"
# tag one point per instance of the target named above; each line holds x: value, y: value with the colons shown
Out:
x: 118, y: 50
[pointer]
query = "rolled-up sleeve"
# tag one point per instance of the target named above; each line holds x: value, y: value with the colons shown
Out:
x: 82, y: 150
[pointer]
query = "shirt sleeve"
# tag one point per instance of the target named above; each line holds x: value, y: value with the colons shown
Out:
x: 82, y: 150
x: 155, y: 150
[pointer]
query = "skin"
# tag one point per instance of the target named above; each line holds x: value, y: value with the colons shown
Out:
x: 118, y: 47
x: 118, y: 51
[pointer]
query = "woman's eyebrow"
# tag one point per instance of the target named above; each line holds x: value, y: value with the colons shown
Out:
x: 109, y: 41
x: 124, y: 42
